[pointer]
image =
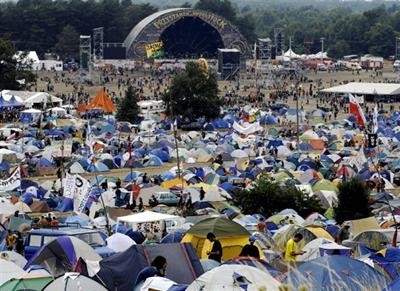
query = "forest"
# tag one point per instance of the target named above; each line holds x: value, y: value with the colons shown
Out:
x: 55, y: 26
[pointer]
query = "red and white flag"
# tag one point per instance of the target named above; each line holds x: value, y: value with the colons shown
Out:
x: 357, y: 111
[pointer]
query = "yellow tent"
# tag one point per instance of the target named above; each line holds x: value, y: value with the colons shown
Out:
x: 360, y: 225
x: 174, y: 182
x: 232, y: 236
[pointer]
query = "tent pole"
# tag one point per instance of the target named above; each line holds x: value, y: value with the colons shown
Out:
x: 101, y: 198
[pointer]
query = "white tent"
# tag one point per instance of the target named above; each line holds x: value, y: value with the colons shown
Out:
x: 146, y: 216
x: 73, y: 282
x: 42, y: 98
x: 119, y: 242
x: 9, y: 270
x: 6, y: 208
x: 224, y: 278
x: 13, y: 257
x: 291, y: 54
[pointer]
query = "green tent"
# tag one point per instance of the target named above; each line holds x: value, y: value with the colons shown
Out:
x: 325, y: 185
x: 220, y: 226
x: 27, y: 283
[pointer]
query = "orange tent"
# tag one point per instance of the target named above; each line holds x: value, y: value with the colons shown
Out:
x: 103, y: 102
x: 82, y: 107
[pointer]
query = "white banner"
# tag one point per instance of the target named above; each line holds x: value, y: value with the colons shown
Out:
x: 80, y: 191
x: 69, y: 186
x: 12, y: 182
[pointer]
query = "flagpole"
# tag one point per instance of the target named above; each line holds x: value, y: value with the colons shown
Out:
x: 101, y: 197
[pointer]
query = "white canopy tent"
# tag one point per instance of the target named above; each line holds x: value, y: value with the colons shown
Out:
x: 359, y: 88
x: 42, y: 98
x: 146, y: 216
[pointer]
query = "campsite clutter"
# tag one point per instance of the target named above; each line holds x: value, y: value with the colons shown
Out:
x: 104, y: 212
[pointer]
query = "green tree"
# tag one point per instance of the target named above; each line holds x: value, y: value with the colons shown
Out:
x: 223, y: 8
x: 268, y: 197
x: 68, y: 43
x: 128, y: 110
x: 353, y: 201
x: 11, y: 70
x: 193, y: 93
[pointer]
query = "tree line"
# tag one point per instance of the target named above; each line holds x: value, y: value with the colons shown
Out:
x: 47, y: 25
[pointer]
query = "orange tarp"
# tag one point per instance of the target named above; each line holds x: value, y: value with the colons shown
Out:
x: 103, y: 102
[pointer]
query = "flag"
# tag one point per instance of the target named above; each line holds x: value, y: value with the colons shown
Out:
x: 375, y: 119
x: 81, y: 193
x: 357, y: 111
x: 359, y: 160
x: 89, y: 139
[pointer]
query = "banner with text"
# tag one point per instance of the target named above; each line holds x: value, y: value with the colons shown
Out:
x: 12, y: 182
x: 155, y: 50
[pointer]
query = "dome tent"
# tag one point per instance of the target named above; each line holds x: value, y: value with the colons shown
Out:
x: 231, y: 235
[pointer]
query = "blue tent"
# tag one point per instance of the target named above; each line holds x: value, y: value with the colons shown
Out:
x: 97, y: 167
x: 336, y: 273
x: 66, y: 204
x: 389, y: 260
x: 174, y: 236
x: 394, y: 286
x: 137, y: 236
x: 3, y: 103
x: 131, y: 177
x: 163, y: 155
x: 274, y: 144
x: 201, y: 205
x: 152, y: 161
x: 43, y: 163
x: 14, y: 103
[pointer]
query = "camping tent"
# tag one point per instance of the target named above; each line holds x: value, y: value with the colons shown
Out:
x: 234, y: 277
x: 26, y: 282
x: 119, y: 272
x: 336, y: 273
x: 72, y: 282
x: 102, y: 101
x: 61, y: 255
x: 231, y: 235
x: 9, y: 270
x: 146, y: 216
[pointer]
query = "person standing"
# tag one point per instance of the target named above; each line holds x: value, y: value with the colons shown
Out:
x: 202, y: 193
x: 250, y: 250
x: 19, y: 245
x: 216, y: 250
x: 10, y: 240
x: 293, y: 248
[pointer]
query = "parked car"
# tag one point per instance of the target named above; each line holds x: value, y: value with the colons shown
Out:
x: 36, y: 238
x: 167, y: 198
x: 396, y: 65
